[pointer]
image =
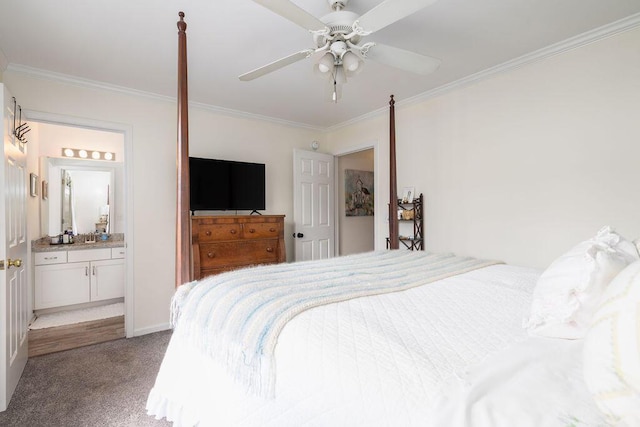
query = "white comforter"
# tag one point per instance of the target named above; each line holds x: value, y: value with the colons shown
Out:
x: 372, y: 361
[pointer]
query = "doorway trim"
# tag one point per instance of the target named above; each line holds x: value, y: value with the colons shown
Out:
x: 343, y: 151
x: 127, y: 132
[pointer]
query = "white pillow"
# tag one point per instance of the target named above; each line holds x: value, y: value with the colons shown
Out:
x: 612, y: 350
x: 568, y: 292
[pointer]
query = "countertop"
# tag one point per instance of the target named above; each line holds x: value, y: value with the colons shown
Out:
x: 115, y: 240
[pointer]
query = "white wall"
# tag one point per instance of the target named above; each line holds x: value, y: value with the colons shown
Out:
x: 55, y: 137
x: 356, y: 232
x: 153, y: 184
x: 524, y: 165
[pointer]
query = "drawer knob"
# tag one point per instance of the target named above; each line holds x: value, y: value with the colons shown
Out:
x: 208, y: 233
x: 252, y: 230
x: 273, y: 230
x: 211, y: 255
x: 232, y: 231
x: 269, y: 249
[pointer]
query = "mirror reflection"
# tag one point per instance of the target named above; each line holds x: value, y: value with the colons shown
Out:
x: 82, y: 196
x: 85, y: 200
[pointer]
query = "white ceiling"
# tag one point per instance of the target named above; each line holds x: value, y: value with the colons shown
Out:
x: 133, y: 44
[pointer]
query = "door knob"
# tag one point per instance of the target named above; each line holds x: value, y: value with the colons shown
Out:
x: 14, y: 263
x: 297, y: 235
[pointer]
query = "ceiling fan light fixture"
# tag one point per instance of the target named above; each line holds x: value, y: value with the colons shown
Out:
x: 350, y: 62
x: 338, y: 48
x: 324, y: 67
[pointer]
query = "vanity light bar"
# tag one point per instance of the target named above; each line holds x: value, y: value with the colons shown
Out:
x: 80, y: 153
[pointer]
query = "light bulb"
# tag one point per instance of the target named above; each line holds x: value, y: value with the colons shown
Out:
x: 108, y: 156
x: 68, y: 152
x: 83, y: 154
x: 95, y: 155
x: 326, y: 63
x: 350, y: 61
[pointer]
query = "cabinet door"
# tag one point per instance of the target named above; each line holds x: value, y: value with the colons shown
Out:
x: 107, y: 279
x: 61, y: 284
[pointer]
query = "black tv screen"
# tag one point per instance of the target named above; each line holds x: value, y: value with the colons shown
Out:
x: 226, y: 185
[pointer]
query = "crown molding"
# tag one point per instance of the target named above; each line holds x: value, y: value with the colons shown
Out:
x: 592, y: 36
x: 93, y: 84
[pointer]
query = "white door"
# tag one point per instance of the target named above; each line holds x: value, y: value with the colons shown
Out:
x: 14, y: 305
x: 313, y: 186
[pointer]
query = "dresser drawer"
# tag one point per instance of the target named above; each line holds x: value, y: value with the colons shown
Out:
x: 213, y: 232
x: 261, y: 230
x: 241, y: 252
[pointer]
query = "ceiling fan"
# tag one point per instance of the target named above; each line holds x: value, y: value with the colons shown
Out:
x: 337, y: 37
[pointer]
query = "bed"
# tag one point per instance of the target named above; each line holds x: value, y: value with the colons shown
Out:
x: 402, y: 338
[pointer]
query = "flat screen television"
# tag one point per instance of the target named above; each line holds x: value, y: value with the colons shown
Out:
x: 226, y: 185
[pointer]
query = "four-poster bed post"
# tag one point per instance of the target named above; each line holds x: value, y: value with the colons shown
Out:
x: 394, y: 242
x: 183, y: 233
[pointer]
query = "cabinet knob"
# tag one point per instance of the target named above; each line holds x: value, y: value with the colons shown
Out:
x: 252, y: 230
x: 269, y: 249
x: 272, y: 230
x: 211, y: 255
x: 208, y: 233
x: 232, y: 231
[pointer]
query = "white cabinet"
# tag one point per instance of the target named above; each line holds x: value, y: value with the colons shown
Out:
x: 79, y: 276
x: 107, y: 279
x: 61, y: 284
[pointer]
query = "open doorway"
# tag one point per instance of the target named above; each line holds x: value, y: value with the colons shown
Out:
x: 356, y: 201
x: 79, y: 287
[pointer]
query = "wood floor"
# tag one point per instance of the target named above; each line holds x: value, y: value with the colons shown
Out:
x: 59, y: 338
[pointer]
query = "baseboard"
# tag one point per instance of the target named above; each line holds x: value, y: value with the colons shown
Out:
x: 152, y: 329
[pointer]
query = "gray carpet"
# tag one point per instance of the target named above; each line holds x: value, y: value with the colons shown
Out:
x: 100, y: 385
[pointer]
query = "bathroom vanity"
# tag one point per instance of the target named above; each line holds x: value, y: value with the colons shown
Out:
x: 78, y: 273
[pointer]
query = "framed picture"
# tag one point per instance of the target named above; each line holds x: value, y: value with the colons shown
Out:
x: 33, y: 184
x: 358, y: 193
x: 408, y: 194
x: 45, y: 190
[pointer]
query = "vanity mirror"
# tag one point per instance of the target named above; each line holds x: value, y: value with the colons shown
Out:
x: 83, y: 196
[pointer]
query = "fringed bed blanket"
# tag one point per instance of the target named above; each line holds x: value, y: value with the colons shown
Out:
x: 236, y: 317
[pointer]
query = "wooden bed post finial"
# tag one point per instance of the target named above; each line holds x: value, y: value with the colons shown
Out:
x: 183, y: 216
x: 182, y: 26
x: 394, y: 243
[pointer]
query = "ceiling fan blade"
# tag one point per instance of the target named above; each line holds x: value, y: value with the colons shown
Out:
x: 403, y: 59
x: 293, y: 13
x: 276, y: 65
x: 390, y: 11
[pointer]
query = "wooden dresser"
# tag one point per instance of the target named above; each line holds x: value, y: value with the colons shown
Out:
x: 223, y: 243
